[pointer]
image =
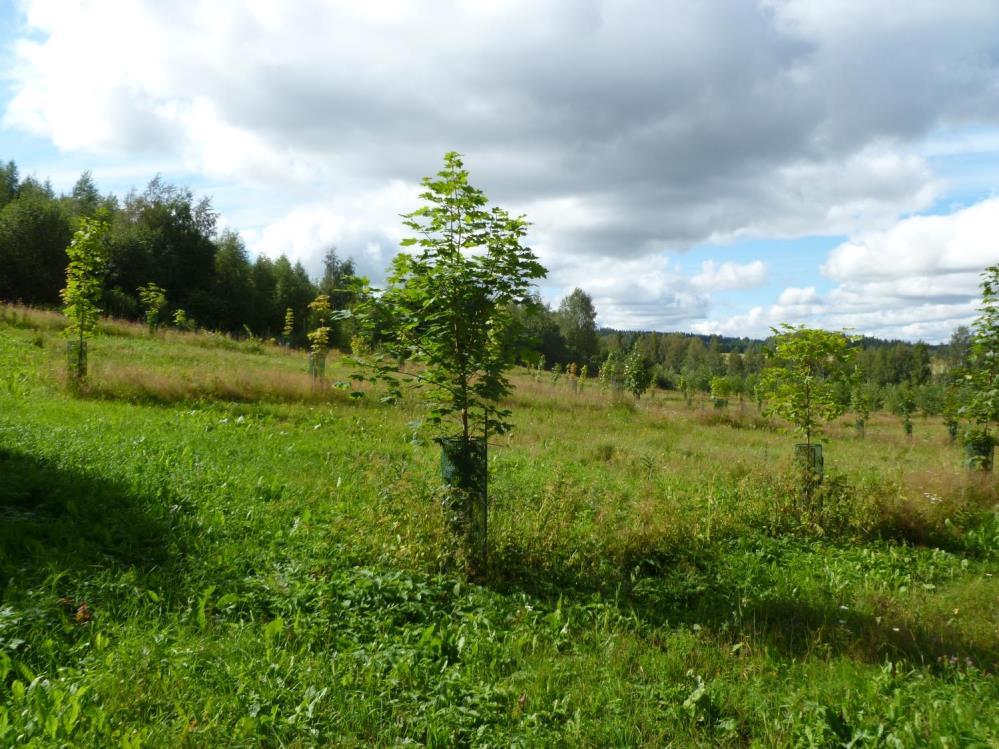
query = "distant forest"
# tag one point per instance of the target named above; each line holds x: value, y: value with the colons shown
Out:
x: 163, y: 235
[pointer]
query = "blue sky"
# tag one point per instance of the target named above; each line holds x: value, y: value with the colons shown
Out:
x: 717, y: 167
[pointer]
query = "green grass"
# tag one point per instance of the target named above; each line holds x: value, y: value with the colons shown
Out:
x: 264, y: 565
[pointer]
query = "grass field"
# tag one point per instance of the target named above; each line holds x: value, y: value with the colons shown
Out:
x: 200, y: 550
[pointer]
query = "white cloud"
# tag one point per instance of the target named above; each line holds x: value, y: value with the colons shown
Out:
x: 793, y: 296
x: 623, y: 128
x: 728, y: 275
x: 684, y: 122
x: 753, y: 323
x: 352, y: 220
x: 960, y: 242
x: 962, y: 144
x: 928, y: 322
x: 918, y: 279
x: 651, y: 293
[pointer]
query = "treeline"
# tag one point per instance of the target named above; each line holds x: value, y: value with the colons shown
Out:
x: 161, y: 235
x: 897, y: 376
x: 164, y: 236
x: 568, y: 335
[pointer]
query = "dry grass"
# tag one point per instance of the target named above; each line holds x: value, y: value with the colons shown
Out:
x: 20, y: 316
x: 142, y: 383
x: 935, y: 508
x: 44, y: 320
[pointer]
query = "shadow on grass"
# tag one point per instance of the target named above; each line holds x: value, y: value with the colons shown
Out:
x: 697, y: 588
x: 59, y: 521
x: 798, y: 629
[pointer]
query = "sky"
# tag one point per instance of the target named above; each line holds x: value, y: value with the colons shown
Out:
x: 719, y: 166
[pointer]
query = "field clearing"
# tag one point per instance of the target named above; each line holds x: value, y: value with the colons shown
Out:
x: 200, y: 549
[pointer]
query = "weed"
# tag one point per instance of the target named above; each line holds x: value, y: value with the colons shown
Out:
x: 604, y: 452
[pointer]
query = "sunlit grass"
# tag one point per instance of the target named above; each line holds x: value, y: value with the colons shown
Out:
x: 265, y: 564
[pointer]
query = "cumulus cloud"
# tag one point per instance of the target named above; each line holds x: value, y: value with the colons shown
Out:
x: 623, y: 128
x: 794, y: 297
x: 652, y: 293
x: 364, y: 225
x: 921, y: 246
x: 933, y: 323
x: 754, y: 107
x: 918, y: 279
x: 728, y: 275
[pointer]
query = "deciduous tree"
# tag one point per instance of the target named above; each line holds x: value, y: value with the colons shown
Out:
x: 577, y: 319
x: 84, y: 279
x: 450, y: 307
x: 804, y: 374
x: 982, y: 376
x: 450, y: 303
x: 153, y: 300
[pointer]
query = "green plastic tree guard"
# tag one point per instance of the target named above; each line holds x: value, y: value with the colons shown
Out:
x: 979, y: 453
x: 464, y: 468
x: 76, y: 356
x: 317, y: 366
x: 810, y: 457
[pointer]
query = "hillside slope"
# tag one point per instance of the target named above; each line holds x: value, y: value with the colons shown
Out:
x: 200, y: 549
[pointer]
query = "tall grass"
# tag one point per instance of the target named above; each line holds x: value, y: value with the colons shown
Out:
x: 140, y: 383
x: 206, y: 552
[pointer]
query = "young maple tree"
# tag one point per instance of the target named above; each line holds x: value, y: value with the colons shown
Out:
x: 154, y: 301
x: 637, y: 376
x: 982, y: 375
x: 289, y: 326
x: 807, y: 368
x: 319, y: 336
x: 449, y: 304
x: 88, y: 257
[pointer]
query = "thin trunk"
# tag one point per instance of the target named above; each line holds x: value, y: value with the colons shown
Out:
x: 79, y: 355
x: 464, y: 380
x: 808, y: 415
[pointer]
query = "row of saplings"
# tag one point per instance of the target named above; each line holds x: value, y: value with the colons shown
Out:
x: 811, y: 369
x: 448, y: 306
x: 623, y: 373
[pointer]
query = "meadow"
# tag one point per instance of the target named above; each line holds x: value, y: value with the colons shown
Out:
x: 198, y: 548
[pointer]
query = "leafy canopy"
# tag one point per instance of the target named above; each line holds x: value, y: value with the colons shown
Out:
x: 577, y: 321
x: 807, y: 368
x: 319, y: 336
x: 863, y: 397
x: 450, y: 303
x: 154, y: 301
x: 88, y: 258
x: 982, y: 376
x: 612, y: 371
x: 721, y: 388
x: 637, y: 376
